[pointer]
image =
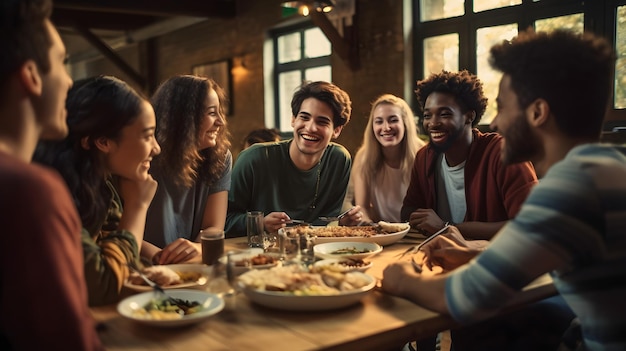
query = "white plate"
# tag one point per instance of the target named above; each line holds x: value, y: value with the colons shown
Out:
x: 326, y: 250
x: 336, y: 266
x: 212, y: 304
x: 380, y: 239
x: 199, y: 268
x: 291, y: 302
x: 248, y: 253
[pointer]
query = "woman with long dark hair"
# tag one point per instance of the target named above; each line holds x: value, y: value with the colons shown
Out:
x: 193, y: 169
x: 105, y: 161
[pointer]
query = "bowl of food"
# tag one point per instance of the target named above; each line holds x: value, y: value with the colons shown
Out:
x: 152, y: 308
x: 171, y: 276
x: 344, y: 264
x: 292, y: 288
x: 346, y: 249
x: 254, y: 258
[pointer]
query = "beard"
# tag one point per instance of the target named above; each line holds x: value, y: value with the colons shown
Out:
x: 521, y: 144
x: 452, y: 138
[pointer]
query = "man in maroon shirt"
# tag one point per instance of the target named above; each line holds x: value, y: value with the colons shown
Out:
x: 43, y: 297
x: 458, y: 177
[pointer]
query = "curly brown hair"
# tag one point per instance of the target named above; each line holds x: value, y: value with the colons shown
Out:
x: 466, y: 88
x: 179, y: 105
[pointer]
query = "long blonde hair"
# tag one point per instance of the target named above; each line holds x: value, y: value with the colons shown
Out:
x: 371, y: 152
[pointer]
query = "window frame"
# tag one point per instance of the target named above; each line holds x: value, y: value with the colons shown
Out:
x: 599, y: 17
x: 301, y: 65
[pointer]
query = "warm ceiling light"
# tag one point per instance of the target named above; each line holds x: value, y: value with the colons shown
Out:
x: 305, y: 6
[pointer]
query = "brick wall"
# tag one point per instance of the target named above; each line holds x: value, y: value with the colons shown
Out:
x: 381, y: 54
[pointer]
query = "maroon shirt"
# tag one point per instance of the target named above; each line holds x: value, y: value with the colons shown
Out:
x: 43, y: 296
x: 493, y: 192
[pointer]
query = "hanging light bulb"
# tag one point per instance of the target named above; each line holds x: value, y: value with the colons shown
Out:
x: 304, y: 7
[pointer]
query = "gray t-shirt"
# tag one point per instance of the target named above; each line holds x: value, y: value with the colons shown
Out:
x: 177, y: 211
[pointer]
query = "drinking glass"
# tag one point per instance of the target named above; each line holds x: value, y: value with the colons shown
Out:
x: 212, y: 245
x: 255, y: 229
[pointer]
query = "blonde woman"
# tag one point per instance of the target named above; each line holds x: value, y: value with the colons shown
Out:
x: 382, y: 167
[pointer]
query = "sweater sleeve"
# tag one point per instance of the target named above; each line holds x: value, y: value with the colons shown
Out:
x: 41, y: 254
x: 107, y: 255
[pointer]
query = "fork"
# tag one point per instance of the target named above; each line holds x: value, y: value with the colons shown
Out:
x: 332, y: 219
x: 414, y: 249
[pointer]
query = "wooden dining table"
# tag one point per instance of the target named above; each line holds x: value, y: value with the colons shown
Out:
x: 379, y: 322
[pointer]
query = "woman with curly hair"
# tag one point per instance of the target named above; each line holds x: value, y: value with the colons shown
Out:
x: 459, y: 177
x: 382, y: 167
x: 105, y: 161
x: 193, y: 169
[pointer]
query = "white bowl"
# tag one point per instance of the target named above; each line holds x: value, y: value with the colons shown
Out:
x: 204, y: 270
x: 290, y: 302
x: 212, y: 304
x: 360, y: 250
x: 246, y: 255
x: 339, y: 265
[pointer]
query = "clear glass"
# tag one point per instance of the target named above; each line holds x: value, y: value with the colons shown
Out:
x: 316, y: 44
x: 319, y: 73
x: 289, y: 48
x: 482, y: 5
x: 441, y: 53
x: 620, y: 65
x: 485, y: 39
x: 288, y: 82
x: 255, y: 229
x: 574, y: 22
x: 431, y: 10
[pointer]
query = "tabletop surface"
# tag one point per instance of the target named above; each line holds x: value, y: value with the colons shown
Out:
x: 379, y: 322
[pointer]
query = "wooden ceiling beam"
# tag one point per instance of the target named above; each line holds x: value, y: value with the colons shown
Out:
x: 196, y: 8
x: 111, y: 55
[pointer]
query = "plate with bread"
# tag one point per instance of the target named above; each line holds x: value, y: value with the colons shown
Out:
x: 381, y: 233
x: 170, y: 276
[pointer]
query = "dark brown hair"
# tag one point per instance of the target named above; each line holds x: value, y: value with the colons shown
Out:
x: 179, y: 105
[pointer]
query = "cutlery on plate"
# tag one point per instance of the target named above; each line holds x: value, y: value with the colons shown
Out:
x: 332, y: 219
x: 414, y: 249
x: 299, y: 221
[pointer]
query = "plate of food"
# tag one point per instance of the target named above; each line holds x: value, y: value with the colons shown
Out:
x: 254, y: 258
x: 345, y: 265
x: 291, y: 288
x: 152, y: 308
x: 170, y: 276
x: 347, y: 249
x: 381, y: 233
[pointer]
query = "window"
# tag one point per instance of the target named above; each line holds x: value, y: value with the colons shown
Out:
x: 457, y: 34
x: 301, y: 52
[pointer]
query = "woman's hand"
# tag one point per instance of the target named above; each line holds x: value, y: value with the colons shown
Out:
x: 179, y: 251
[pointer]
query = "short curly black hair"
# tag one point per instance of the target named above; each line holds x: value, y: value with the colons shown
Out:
x: 571, y: 71
x: 464, y: 86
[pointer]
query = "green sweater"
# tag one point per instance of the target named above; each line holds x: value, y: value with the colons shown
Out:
x: 265, y: 179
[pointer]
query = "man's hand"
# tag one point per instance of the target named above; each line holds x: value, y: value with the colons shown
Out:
x: 426, y: 220
x: 395, y: 275
x: 450, y: 250
x: 354, y: 217
x: 275, y: 220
